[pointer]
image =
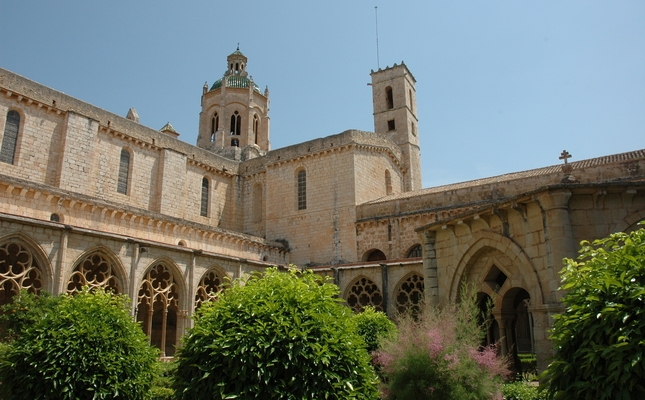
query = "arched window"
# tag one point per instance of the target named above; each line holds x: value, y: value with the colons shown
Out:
x: 203, y: 211
x: 236, y: 123
x: 302, y: 189
x: 10, y: 138
x: 95, y: 271
x: 18, y: 270
x: 124, y: 172
x: 256, y: 125
x: 209, y: 287
x: 362, y: 293
x: 388, y: 182
x: 235, y: 143
x: 374, y: 255
x: 410, y: 294
x: 54, y: 218
x: 214, y: 126
x: 157, y: 309
x: 414, y: 252
x: 389, y: 98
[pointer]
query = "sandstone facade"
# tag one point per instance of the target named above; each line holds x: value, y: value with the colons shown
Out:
x: 91, y: 198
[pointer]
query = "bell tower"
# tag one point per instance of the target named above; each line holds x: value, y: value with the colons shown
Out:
x: 395, y: 116
x: 234, y: 121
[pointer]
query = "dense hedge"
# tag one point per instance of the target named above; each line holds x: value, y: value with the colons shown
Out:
x: 86, y: 347
x: 277, y: 335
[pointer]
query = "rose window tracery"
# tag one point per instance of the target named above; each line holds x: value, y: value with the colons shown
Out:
x: 157, y: 309
x: 209, y: 287
x: 95, y: 271
x: 18, y: 270
x: 410, y: 294
x: 364, y: 293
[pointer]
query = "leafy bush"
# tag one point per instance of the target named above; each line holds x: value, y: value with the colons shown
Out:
x: 162, y: 381
x: 437, y: 356
x: 521, y: 391
x: 276, y: 335
x: 25, y: 310
x: 600, y: 338
x: 373, y: 325
x: 89, y: 348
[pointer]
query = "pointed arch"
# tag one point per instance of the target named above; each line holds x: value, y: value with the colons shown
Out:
x: 210, y: 285
x: 10, y: 137
x: 363, y: 292
x: 408, y: 293
x: 23, y: 265
x: 98, y: 267
x: 158, y: 304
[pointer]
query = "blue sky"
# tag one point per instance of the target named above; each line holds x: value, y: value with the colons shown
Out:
x: 502, y: 86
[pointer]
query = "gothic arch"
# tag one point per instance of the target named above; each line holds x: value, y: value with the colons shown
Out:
x: 160, y: 304
x: 37, y: 253
x: 210, y: 284
x: 106, y: 271
x: 362, y: 292
x: 489, y: 240
x: 408, y: 292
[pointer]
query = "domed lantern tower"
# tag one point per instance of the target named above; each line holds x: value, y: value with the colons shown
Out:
x: 234, y: 121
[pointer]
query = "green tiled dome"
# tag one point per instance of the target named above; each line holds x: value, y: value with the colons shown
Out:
x: 236, y: 81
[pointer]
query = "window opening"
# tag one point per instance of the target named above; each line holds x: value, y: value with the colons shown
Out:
x: 235, y: 143
x: 209, y: 288
x: 376, y: 255
x: 302, y: 190
x: 205, y: 195
x: 390, y: 125
x: 364, y: 293
x: 95, y: 271
x: 124, y: 170
x: 389, y: 97
x: 410, y: 294
x: 18, y: 270
x: 256, y: 123
x: 415, y: 252
x: 236, y: 123
x: 54, y: 218
x: 10, y: 138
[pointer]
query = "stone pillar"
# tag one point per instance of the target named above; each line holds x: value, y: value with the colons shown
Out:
x: 132, y: 290
x: 59, y: 270
x: 542, y: 322
x: 386, y: 289
x: 430, y: 275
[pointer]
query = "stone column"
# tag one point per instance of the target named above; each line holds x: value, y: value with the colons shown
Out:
x: 59, y: 270
x: 386, y: 289
x: 430, y: 275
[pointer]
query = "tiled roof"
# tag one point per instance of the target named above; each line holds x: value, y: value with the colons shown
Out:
x: 553, y: 169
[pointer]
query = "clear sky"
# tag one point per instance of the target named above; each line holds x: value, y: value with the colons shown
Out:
x: 502, y: 86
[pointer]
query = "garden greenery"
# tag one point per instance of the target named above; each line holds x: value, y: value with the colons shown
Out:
x: 86, y: 347
x: 437, y: 355
x: 600, y: 338
x: 373, y: 326
x: 276, y: 335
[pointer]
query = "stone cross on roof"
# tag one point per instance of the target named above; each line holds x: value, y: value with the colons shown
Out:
x: 567, y: 168
x: 564, y: 156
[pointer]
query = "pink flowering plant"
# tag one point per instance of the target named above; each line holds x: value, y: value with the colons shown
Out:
x: 438, y: 355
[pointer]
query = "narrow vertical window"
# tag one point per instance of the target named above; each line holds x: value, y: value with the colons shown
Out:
x: 124, y: 172
x: 10, y: 138
x: 256, y: 124
x: 388, y: 182
x: 236, y: 123
x: 205, y: 195
x: 302, y: 189
x: 214, y: 126
x: 389, y: 97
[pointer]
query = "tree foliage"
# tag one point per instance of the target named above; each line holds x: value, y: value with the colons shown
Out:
x: 600, y: 338
x: 277, y: 335
x: 88, y: 348
x: 373, y: 325
x: 25, y: 310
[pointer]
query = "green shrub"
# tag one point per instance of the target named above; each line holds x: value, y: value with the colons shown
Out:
x: 277, y: 335
x: 600, y: 338
x: 373, y: 325
x: 436, y: 355
x: 162, y: 381
x: 89, y: 348
x: 24, y: 311
x: 521, y: 391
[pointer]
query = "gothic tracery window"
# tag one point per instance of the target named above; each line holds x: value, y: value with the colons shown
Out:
x: 10, y: 138
x: 95, y: 271
x: 209, y: 287
x: 364, y: 293
x: 158, y: 306
x: 18, y: 270
x: 410, y: 294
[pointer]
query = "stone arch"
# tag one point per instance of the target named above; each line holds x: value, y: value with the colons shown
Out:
x: 97, y: 267
x: 362, y: 292
x: 408, y: 293
x: 374, y: 255
x: 159, y: 302
x: 629, y: 223
x: 210, y: 285
x: 38, y: 258
x: 414, y: 251
x: 483, y: 240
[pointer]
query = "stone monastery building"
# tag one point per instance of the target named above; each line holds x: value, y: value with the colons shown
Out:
x: 88, y: 197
